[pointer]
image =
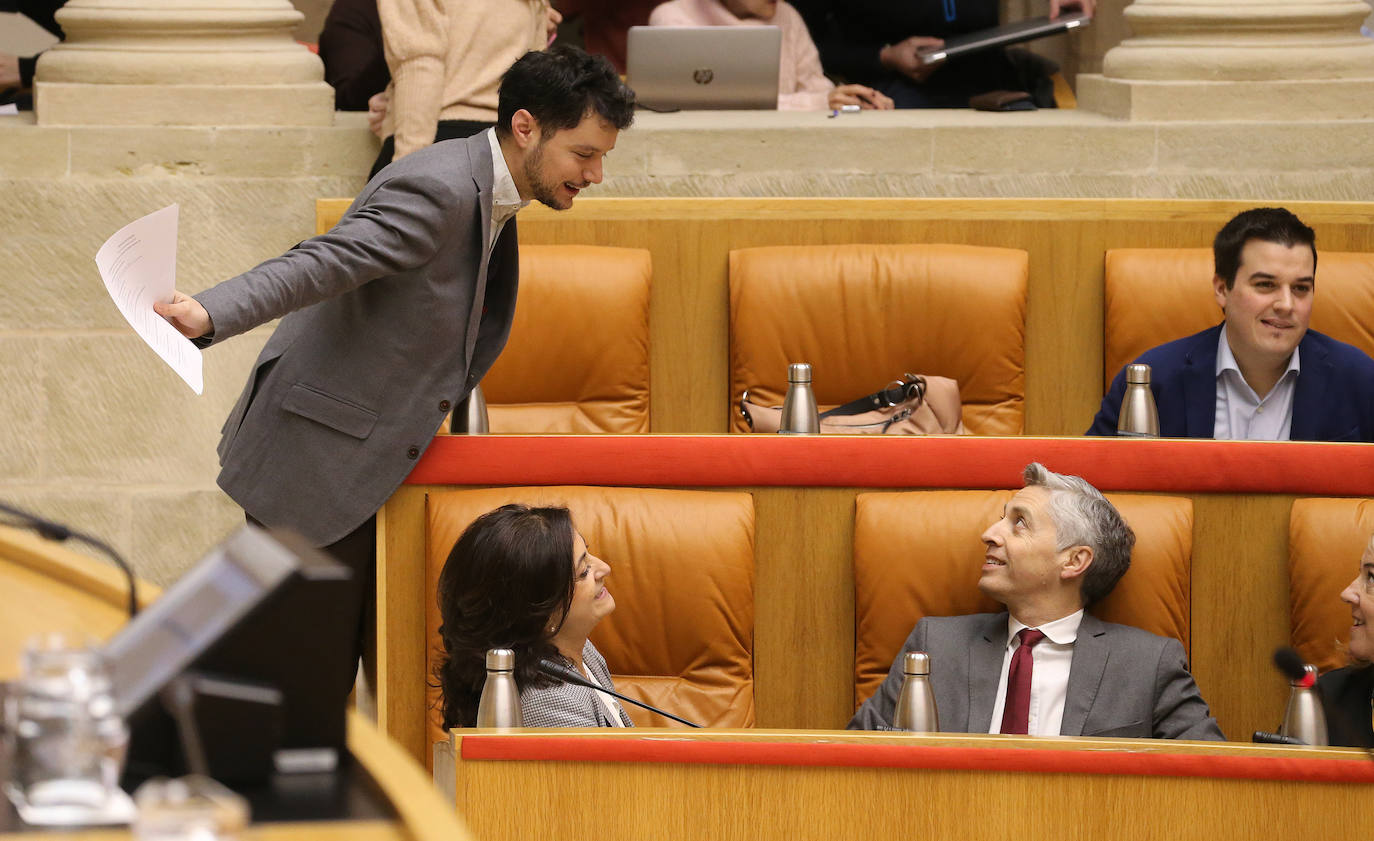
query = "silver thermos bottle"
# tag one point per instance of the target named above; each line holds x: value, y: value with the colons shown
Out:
x: 499, y: 705
x: 916, y: 705
x: 1304, y: 719
x: 799, y: 415
x: 470, y: 418
x: 1138, y: 418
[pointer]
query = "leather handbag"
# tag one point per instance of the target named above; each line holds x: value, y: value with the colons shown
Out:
x: 913, y: 405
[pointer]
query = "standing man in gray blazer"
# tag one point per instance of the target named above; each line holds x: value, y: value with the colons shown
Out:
x: 393, y: 316
x: 1045, y: 666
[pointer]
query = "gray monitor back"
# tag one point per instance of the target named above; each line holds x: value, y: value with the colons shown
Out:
x: 704, y: 67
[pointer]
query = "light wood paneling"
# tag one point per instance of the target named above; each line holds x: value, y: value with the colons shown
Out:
x: 421, y: 811
x: 49, y: 588
x: 750, y: 802
x: 400, y: 629
x: 1240, y: 607
x: 804, y: 605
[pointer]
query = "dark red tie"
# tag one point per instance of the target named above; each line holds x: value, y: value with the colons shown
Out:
x: 1016, y: 711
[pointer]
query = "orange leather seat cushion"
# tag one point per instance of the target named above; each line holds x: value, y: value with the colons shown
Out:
x: 578, y: 355
x: 863, y: 315
x: 1326, y: 539
x: 1156, y: 295
x: 919, y: 554
x: 682, y: 573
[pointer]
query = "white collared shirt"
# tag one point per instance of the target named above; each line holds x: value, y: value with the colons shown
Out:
x: 505, y: 198
x: 1051, y: 660
x: 1241, y: 414
x: 608, y: 701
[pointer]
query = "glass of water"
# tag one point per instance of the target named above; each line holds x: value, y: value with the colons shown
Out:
x: 188, y: 809
x: 68, y: 741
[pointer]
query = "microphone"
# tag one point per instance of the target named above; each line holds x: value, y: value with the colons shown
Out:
x: 59, y: 533
x: 1264, y: 738
x: 569, y: 676
x: 1290, y: 663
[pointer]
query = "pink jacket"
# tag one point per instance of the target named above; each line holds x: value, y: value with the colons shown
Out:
x: 801, y: 84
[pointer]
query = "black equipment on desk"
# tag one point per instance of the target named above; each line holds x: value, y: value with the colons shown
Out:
x: 235, y: 652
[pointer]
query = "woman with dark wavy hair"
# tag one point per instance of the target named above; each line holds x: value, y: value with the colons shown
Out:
x: 522, y: 578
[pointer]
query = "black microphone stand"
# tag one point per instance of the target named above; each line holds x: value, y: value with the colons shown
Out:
x: 59, y: 533
x: 569, y: 676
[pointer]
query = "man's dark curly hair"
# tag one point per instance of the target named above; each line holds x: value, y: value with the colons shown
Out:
x: 559, y: 87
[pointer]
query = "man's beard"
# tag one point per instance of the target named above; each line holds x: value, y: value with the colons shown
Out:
x: 540, y: 190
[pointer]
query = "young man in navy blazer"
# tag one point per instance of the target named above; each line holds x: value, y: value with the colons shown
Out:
x: 1261, y: 374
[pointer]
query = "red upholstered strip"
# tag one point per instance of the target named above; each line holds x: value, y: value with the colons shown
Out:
x: 851, y: 755
x: 877, y: 461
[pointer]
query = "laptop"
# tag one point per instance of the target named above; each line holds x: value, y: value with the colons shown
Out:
x: 704, y: 67
x: 1002, y: 36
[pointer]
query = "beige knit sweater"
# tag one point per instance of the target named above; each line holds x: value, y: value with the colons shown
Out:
x: 447, y: 58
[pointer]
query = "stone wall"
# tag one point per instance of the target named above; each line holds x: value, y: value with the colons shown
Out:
x: 1052, y: 154
x: 99, y: 433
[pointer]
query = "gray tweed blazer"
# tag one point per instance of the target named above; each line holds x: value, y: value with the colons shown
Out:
x: 567, y: 705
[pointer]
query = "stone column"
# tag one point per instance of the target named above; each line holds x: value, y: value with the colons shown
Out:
x: 181, y: 63
x: 1237, y: 60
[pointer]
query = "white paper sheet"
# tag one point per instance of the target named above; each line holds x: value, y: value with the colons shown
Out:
x: 139, y: 266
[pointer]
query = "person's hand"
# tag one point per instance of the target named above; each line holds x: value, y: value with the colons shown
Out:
x: 9, y: 71
x: 186, y: 314
x: 551, y: 23
x: 1087, y: 7
x: 376, y: 112
x: 860, y: 95
x: 901, y: 56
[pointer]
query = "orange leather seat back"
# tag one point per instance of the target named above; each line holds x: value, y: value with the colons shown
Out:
x: 919, y: 554
x: 863, y: 315
x: 1326, y: 539
x: 1156, y: 295
x: 682, y: 573
x: 578, y: 355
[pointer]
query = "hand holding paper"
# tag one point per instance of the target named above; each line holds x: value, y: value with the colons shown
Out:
x: 138, y: 265
x: 186, y: 314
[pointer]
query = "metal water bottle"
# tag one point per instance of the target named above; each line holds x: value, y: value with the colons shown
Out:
x: 470, y: 418
x: 1138, y: 418
x: 799, y: 414
x: 499, y: 705
x: 1305, y: 719
x: 916, y: 704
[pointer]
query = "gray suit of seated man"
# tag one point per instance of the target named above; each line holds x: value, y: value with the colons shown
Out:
x: 1059, y: 547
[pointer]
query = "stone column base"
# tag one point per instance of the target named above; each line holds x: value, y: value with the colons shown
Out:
x: 1305, y: 99
x: 83, y: 104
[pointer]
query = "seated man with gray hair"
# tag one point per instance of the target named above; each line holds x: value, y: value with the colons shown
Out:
x: 1045, y: 666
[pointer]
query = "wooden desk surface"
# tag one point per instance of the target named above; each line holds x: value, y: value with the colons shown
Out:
x: 763, y: 785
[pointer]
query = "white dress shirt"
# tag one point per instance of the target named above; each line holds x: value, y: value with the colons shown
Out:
x: 505, y: 198
x: 1051, y: 660
x: 608, y: 701
x: 1243, y: 415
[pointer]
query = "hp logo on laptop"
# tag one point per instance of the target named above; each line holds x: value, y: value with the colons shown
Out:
x: 703, y: 76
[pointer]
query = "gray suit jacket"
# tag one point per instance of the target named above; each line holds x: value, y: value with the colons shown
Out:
x: 390, y: 319
x: 569, y: 705
x: 1123, y: 682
